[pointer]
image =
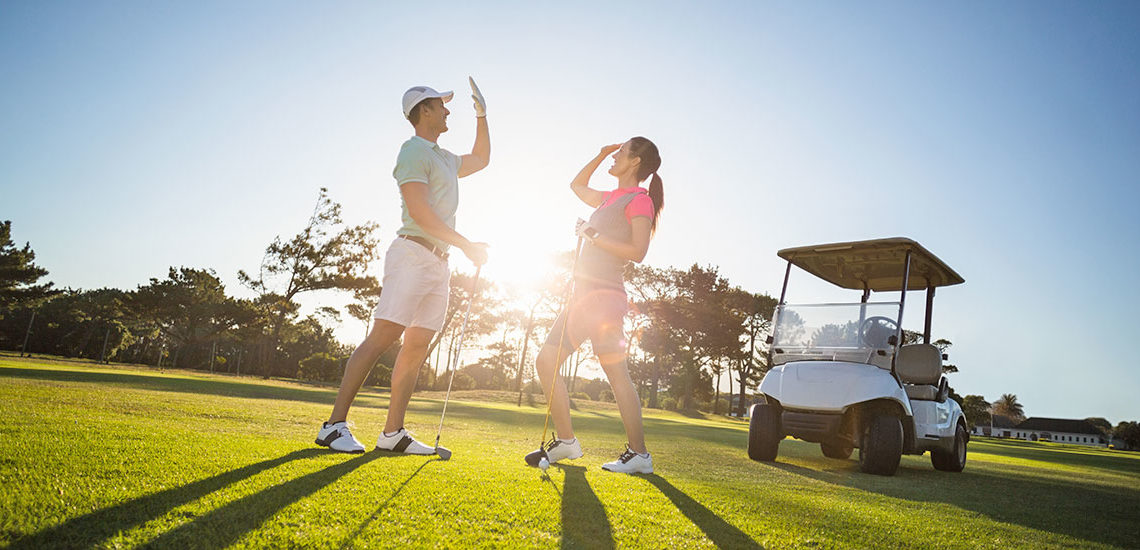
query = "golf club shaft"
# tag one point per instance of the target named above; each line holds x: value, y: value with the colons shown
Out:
x: 459, y: 350
x: 561, y: 337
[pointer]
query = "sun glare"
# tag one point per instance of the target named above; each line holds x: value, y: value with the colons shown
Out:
x: 519, y: 266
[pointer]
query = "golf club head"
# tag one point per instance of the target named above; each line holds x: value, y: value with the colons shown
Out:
x: 443, y: 452
x: 534, y: 457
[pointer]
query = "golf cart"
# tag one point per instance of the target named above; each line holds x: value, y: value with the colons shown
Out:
x: 840, y: 375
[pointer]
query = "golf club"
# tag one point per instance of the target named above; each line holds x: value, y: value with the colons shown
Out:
x: 443, y: 453
x: 539, y: 458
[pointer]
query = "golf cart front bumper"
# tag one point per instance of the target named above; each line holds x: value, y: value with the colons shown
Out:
x: 814, y: 427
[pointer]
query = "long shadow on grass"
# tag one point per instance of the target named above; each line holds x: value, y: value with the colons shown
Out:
x: 147, y: 381
x: 95, y: 528
x: 1063, y: 507
x: 224, y: 525
x: 584, y: 520
x: 722, y: 533
x: 376, y: 513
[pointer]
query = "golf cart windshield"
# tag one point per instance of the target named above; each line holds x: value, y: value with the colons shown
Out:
x: 858, y: 333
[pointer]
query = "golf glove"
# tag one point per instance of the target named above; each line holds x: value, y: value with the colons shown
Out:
x: 477, y: 96
x: 585, y: 230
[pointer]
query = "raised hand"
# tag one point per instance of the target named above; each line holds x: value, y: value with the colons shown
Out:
x: 477, y: 96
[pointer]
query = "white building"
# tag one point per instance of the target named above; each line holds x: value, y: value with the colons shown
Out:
x: 1057, y: 430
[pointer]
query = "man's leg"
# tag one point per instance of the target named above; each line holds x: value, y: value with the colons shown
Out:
x: 408, y: 361
x: 383, y: 335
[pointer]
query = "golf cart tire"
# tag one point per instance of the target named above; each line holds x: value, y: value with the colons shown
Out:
x: 764, y: 433
x: 881, y: 448
x: 953, y: 460
x: 836, y: 451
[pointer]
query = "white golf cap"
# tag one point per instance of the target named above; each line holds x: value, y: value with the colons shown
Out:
x: 416, y: 94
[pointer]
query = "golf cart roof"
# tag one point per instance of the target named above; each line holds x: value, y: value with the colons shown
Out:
x: 876, y: 264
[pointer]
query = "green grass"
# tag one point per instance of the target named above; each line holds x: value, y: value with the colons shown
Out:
x: 122, y: 457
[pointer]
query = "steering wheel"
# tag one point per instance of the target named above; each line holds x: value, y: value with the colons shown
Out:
x: 875, y: 331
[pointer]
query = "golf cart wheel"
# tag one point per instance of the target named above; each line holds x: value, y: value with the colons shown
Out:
x: 881, y: 447
x: 764, y: 433
x: 840, y: 451
x: 955, y: 459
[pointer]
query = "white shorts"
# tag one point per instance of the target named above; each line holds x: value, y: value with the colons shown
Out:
x: 415, y: 287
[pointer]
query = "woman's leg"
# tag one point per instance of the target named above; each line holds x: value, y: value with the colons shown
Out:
x: 628, y: 402
x: 608, y: 338
x: 553, y: 354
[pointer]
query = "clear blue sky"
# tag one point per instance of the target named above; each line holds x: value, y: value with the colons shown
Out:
x: 1005, y: 137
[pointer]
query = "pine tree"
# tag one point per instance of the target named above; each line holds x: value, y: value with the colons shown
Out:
x: 18, y: 273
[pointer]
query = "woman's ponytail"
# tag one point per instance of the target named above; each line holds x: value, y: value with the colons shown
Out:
x: 657, y: 194
x: 650, y: 161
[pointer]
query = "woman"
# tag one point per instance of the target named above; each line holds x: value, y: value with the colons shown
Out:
x: 617, y: 233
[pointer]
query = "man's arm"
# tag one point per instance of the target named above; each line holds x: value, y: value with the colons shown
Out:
x: 480, y: 155
x: 416, y: 197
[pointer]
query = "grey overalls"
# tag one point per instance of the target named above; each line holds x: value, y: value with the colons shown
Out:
x: 599, y: 305
x: 596, y: 267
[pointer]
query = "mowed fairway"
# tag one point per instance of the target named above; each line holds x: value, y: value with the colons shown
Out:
x: 122, y: 457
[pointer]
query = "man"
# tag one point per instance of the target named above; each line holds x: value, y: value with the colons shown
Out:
x: 413, y: 302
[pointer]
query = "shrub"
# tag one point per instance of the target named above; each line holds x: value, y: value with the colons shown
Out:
x: 581, y: 395
x: 606, y: 395
x: 381, y: 375
x: 463, y: 381
x: 320, y: 367
x: 425, y: 380
x: 668, y: 403
x: 725, y: 405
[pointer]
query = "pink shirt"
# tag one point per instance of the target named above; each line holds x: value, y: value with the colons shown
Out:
x: 641, y: 205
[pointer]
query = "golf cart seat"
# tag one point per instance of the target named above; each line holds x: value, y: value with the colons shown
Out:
x: 919, y: 366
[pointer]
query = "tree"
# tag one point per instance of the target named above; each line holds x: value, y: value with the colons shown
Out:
x: 491, y: 371
x: 1009, y: 407
x: 712, y: 329
x: 189, y: 307
x: 547, y: 302
x: 976, y: 409
x: 658, y: 329
x: 461, y: 292
x: 1129, y: 433
x: 1101, y: 424
x: 322, y: 256
x: 19, y: 274
x: 77, y: 323
x: 319, y: 367
x: 757, y: 312
x: 364, y: 305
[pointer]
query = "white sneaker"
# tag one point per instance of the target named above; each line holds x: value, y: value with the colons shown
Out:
x: 631, y: 463
x: 560, y: 449
x: 557, y: 449
x: 402, y: 442
x: 337, y: 437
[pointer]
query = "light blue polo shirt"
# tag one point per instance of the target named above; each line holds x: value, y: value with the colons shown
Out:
x: 426, y: 162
